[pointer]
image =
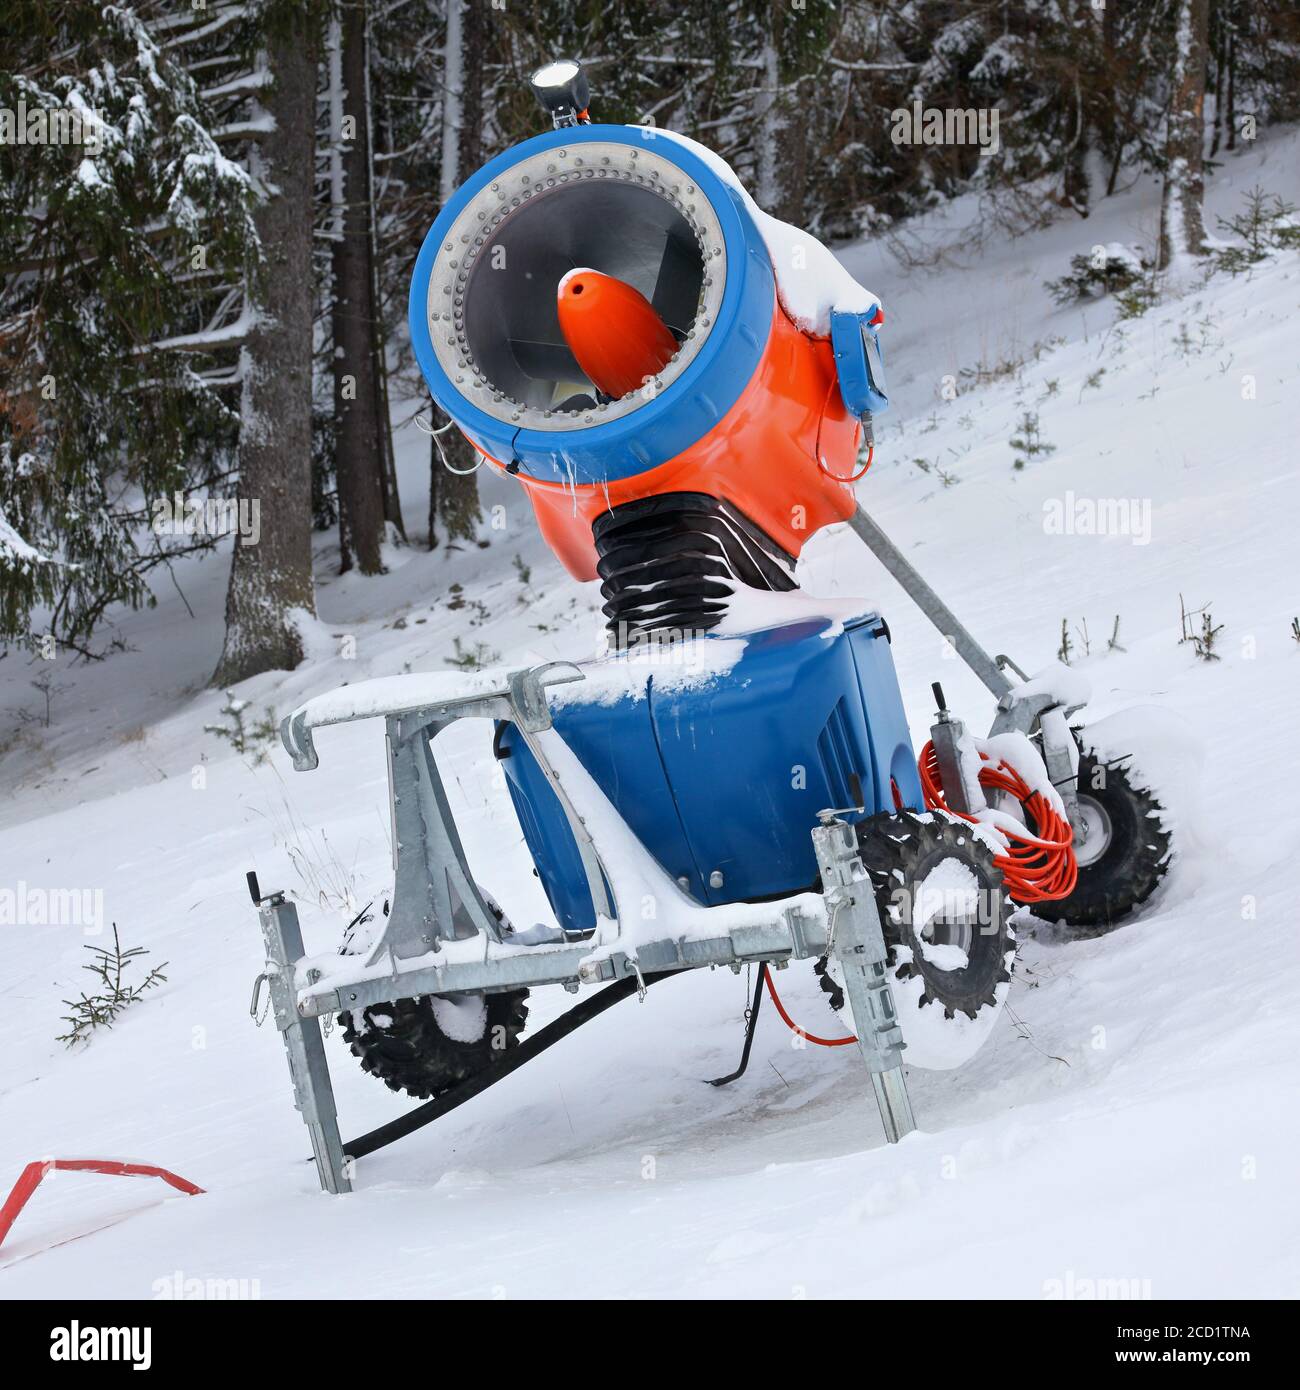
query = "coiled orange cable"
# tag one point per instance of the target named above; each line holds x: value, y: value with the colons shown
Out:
x: 1036, y: 867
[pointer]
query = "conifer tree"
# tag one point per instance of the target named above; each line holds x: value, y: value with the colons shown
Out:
x: 124, y: 244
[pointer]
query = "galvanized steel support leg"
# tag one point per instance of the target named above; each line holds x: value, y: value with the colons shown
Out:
x: 313, y: 1095
x: 858, y: 943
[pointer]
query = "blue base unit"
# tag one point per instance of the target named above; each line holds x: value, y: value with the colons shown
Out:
x: 721, y: 777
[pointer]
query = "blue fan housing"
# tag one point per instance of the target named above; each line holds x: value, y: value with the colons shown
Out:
x: 722, y: 780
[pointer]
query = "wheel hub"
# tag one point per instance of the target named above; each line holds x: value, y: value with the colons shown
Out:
x: 1093, y: 833
x: 945, y: 915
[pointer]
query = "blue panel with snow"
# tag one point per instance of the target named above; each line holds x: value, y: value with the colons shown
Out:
x: 722, y: 779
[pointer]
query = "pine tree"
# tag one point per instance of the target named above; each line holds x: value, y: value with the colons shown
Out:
x: 125, y: 238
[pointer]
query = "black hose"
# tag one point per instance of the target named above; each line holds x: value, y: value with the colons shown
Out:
x: 751, y: 1025
x: 516, y: 1057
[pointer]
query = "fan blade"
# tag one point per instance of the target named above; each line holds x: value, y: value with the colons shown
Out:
x: 676, y: 290
x: 545, y: 361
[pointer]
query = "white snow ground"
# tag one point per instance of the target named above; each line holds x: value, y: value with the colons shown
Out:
x: 1134, y: 1117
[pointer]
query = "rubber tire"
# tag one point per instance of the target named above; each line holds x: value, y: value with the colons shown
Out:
x: 900, y: 850
x: 411, y: 1053
x: 1132, y: 865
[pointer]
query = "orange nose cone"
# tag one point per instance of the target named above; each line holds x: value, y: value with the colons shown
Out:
x: 612, y: 330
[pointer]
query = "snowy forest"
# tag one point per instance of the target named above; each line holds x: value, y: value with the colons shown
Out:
x: 203, y: 299
x: 401, y: 666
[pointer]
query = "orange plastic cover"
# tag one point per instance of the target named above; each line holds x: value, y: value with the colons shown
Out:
x: 780, y: 455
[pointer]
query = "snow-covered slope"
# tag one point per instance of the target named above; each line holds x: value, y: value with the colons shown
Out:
x: 1134, y: 1117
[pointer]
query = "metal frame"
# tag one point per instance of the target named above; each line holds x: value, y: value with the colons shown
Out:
x: 437, y: 904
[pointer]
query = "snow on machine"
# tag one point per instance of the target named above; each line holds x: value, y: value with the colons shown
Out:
x: 685, y: 387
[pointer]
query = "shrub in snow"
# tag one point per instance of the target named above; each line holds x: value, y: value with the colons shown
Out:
x: 1103, y: 270
x: 1202, y: 641
x: 245, y: 734
x: 1029, y: 443
x: 1265, y: 225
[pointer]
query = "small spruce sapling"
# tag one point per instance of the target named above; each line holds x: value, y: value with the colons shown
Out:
x: 1266, y: 224
x: 245, y: 736
x: 471, y: 659
x: 1029, y: 443
x: 1101, y: 271
x: 101, y: 1008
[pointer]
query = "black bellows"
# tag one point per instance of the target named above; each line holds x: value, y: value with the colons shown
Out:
x: 669, y: 564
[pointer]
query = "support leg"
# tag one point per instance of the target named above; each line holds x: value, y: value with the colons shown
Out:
x: 313, y: 1095
x: 859, y: 945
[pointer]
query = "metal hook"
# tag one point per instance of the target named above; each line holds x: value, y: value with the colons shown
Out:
x: 442, y: 453
x: 257, y: 992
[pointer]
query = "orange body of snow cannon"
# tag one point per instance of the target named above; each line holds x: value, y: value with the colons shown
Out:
x: 617, y: 338
x: 783, y: 455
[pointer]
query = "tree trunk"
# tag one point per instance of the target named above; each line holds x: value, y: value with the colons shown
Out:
x: 435, y: 477
x: 388, y: 473
x: 271, y: 578
x: 768, y: 191
x: 453, y: 497
x: 471, y: 93
x: 453, y: 53
x: 1076, y: 187
x: 1232, y: 78
x: 359, y: 447
x: 793, y: 203
x: 1112, y: 135
x: 383, y: 409
x: 1182, y: 225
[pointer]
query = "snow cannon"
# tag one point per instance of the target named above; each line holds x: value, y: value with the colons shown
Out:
x: 683, y: 386
x: 607, y: 315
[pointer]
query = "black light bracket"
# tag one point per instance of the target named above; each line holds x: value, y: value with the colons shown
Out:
x: 562, y: 89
